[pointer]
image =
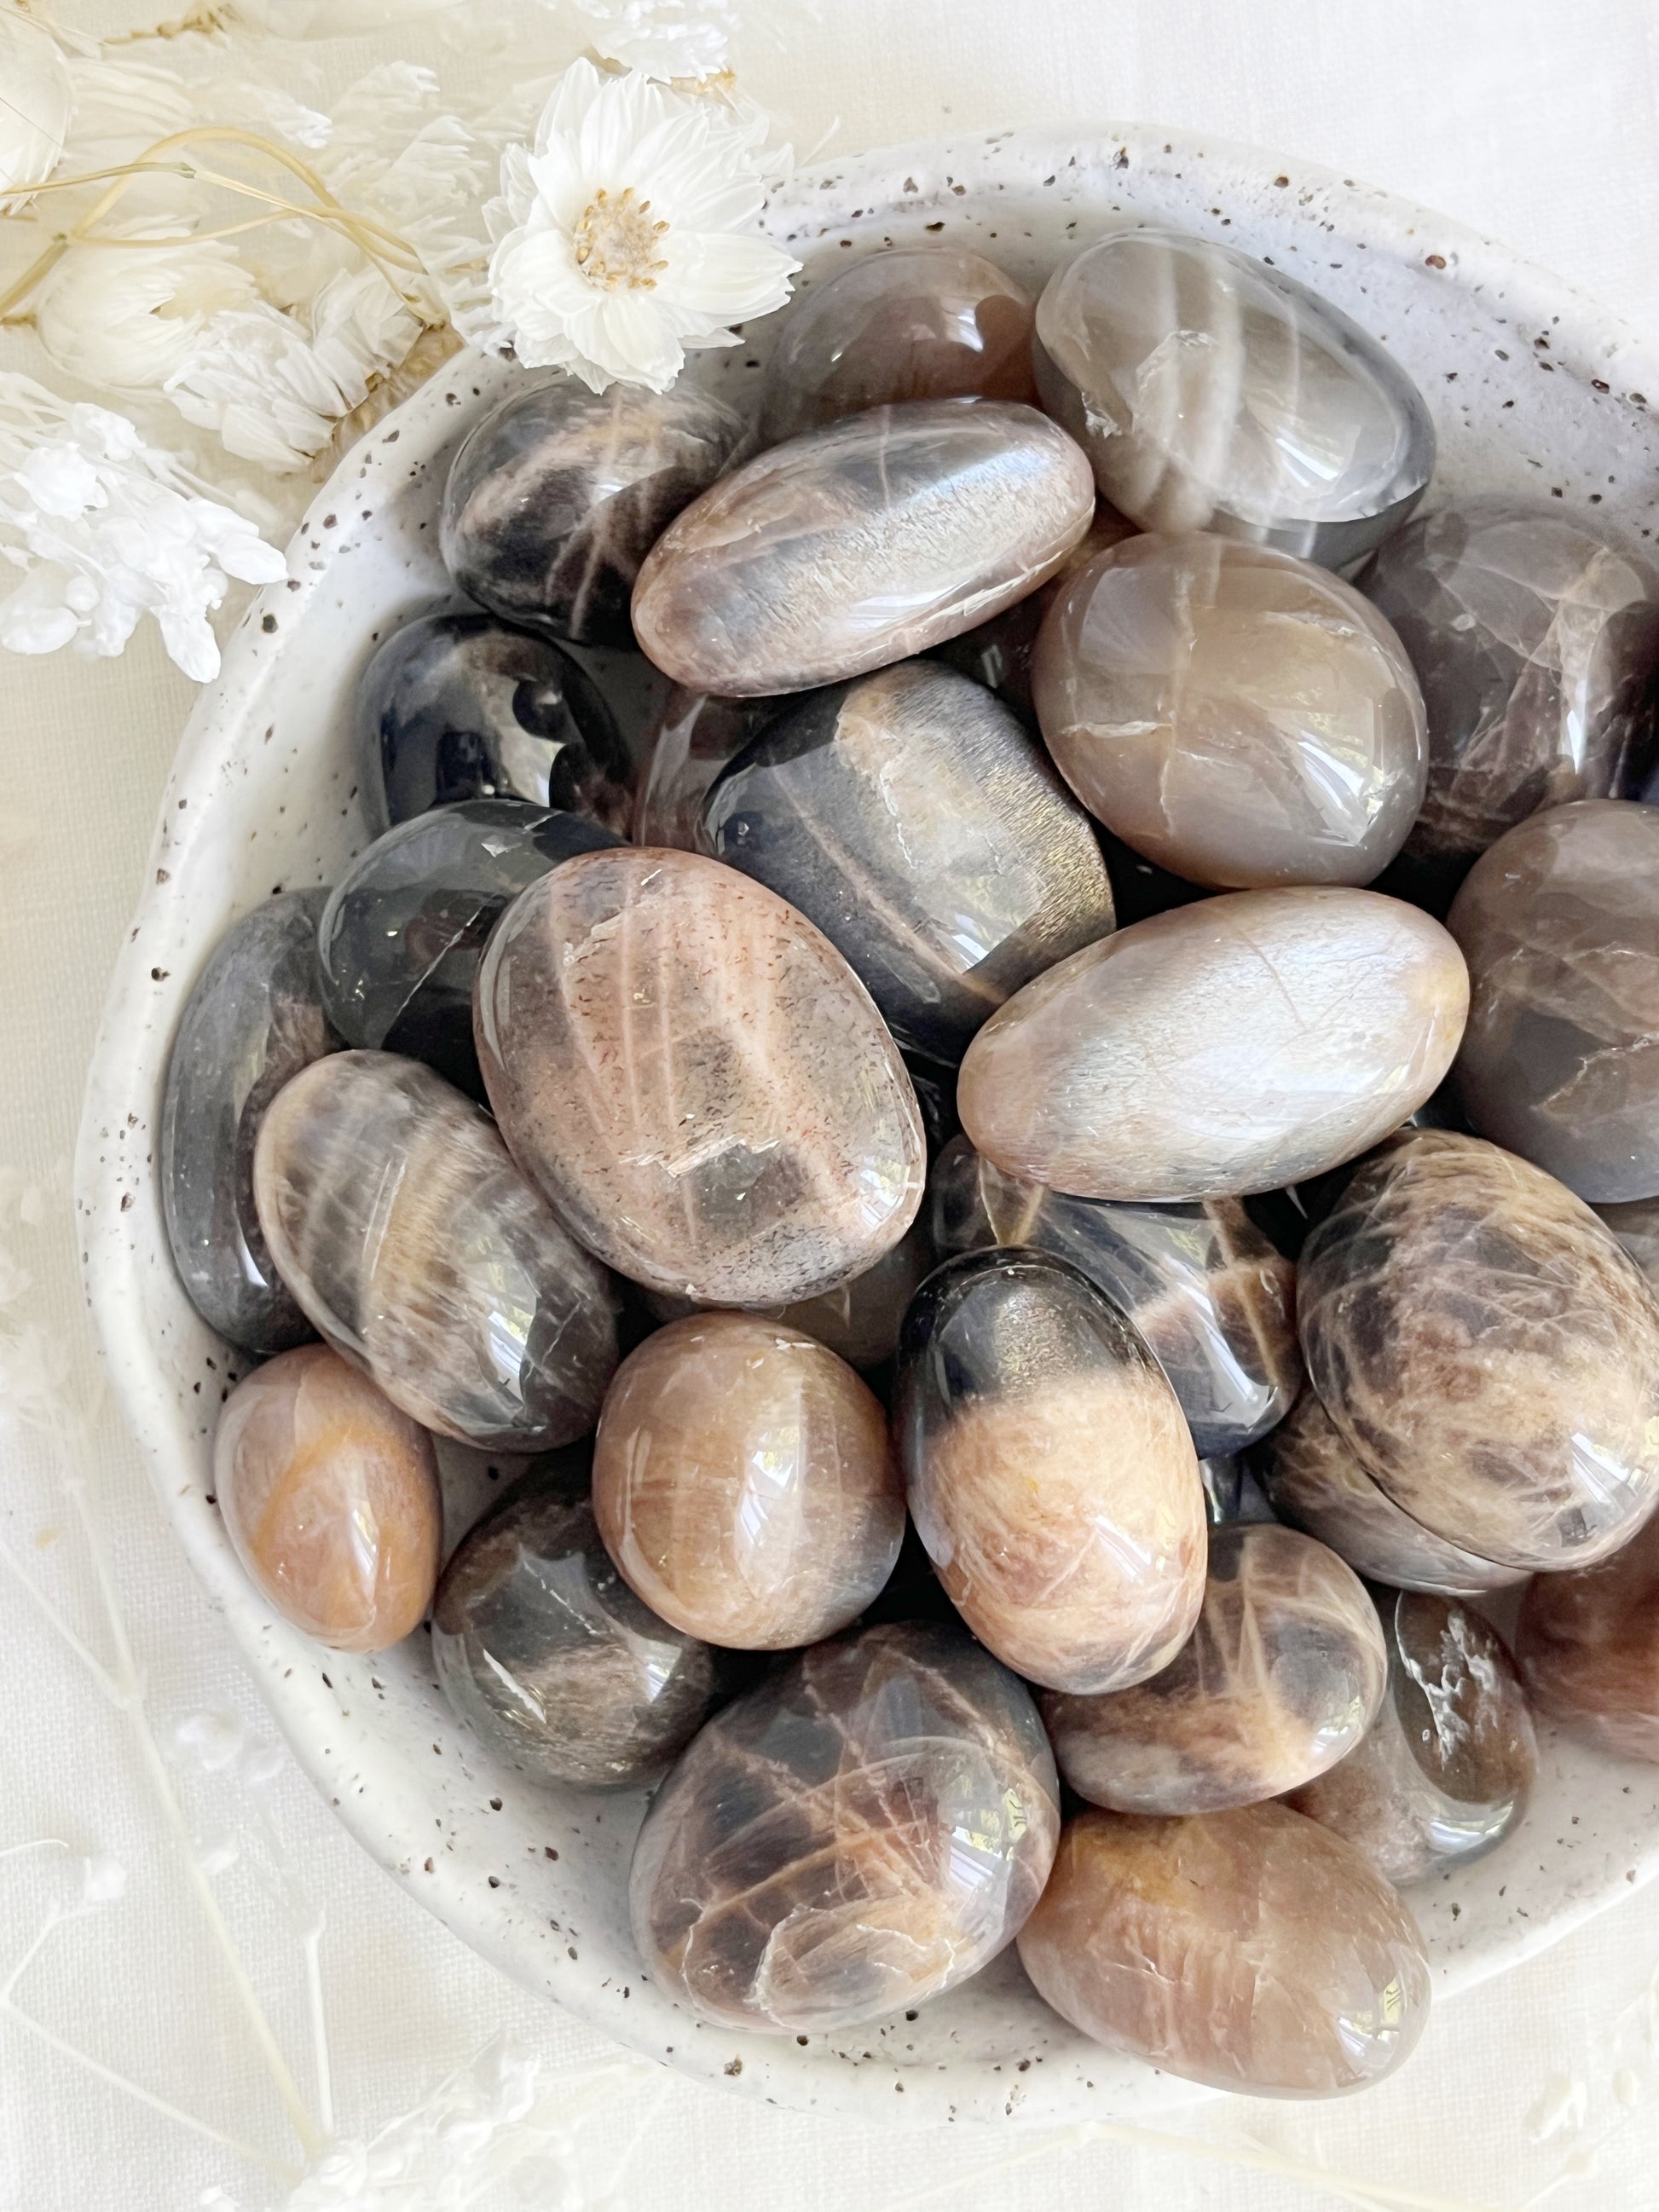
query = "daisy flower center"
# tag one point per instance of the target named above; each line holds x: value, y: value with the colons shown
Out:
x: 617, y: 241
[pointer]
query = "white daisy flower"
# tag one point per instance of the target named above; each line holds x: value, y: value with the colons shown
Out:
x: 686, y: 39
x: 35, y: 101
x: 631, y: 232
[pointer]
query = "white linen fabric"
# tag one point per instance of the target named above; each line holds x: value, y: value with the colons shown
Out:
x: 1530, y: 119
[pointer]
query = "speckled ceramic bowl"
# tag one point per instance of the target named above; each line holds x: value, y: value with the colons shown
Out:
x: 1533, y: 390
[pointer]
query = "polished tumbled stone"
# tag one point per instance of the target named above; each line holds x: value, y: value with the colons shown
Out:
x: 744, y: 1483
x: 998, y: 653
x: 1535, y: 640
x: 420, y: 1251
x: 1280, y: 1678
x: 1313, y: 1479
x: 330, y: 1498
x: 859, y: 544
x: 1252, y: 1950
x: 548, y: 1655
x: 1051, y: 1473
x: 691, y: 738
x: 459, y: 706
x: 1239, y: 717
x: 405, y: 928
x: 1637, y: 1227
x: 1488, y: 1351
x: 1214, y: 393
x: 1212, y: 1297
x: 1588, y: 1645
x: 910, y: 322
x: 254, y: 1018
x: 1447, y: 1767
x: 698, y: 1080
x: 559, y: 493
x: 1236, y: 1045
x: 1559, y: 924
x: 860, y: 1832
x: 911, y: 818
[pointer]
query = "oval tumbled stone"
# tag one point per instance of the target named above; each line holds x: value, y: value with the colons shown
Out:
x: 1588, y: 1648
x: 1250, y: 1949
x: 1488, y: 1350
x: 697, y: 1079
x: 421, y: 1252
x: 859, y: 544
x: 1051, y: 1473
x: 1236, y: 1045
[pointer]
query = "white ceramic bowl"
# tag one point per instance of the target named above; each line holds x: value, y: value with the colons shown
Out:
x: 1534, y: 391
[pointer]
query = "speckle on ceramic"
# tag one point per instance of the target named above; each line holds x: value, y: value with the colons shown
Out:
x: 1251, y: 1949
x: 1214, y: 393
x: 690, y: 740
x: 254, y: 1018
x: 1050, y: 1474
x: 1559, y: 924
x: 1588, y: 1645
x: 1279, y: 1679
x: 419, y: 1251
x: 329, y: 1496
x: 1314, y: 1480
x: 910, y: 817
x: 1238, y: 716
x: 548, y: 1656
x: 1237, y: 1045
x: 1213, y: 1298
x: 1446, y: 1769
x: 406, y: 926
x: 1487, y: 1350
x: 459, y: 706
x: 559, y: 493
x: 744, y: 1484
x: 912, y: 322
x: 697, y: 1079
x: 860, y: 544
x: 862, y: 1831
x: 1535, y: 639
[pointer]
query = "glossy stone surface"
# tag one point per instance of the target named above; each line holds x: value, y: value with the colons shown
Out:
x: 911, y: 322
x: 254, y: 1018
x: 690, y: 741
x: 1637, y: 1227
x: 1559, y: 923
x: 1238, y: 716
x: 744, y: 1484
x: 1445, y: 1771
x: 863, y: 1830
x: 548, y: 1656
x: 1251, y: 1949
x: 1588, y: 1645
x: 910, y: 817
x: 1215, y: 393
x: 1314, y: 1480
x: 1237, y: 1045
x: 861, y: 545
x: 1280, y: 1678
x: 405, y: 928
x: 458, y: 706
x: 1489, y: 1352
x: 1213, y: 1298
x: 329, y: 1495
x: 1536, y: 641
x: 1050, y: 1474
x: 697, y: 1079
x: 998, y: 653
x: 419, y: 1251
x: 559, y: 493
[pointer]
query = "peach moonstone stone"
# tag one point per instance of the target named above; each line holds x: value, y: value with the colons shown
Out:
x: 1588, y: 1645
x: 330, y: 1498
x: 744, y: 1485
x: 1251, y: 1950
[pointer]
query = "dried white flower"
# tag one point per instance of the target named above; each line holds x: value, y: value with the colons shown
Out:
x: 34, y: 103
x: 106, y: 529
x: 633, y: 237
x: 663, y: 38
x: 332, y: 19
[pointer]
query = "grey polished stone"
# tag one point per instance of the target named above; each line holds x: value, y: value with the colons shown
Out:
x: 692, y: 737
x: 254, y: 1019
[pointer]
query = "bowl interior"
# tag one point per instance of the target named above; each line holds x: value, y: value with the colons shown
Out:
x: 1535, y: 393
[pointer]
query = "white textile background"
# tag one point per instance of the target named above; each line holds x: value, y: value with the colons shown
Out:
x: 1535, y: 120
